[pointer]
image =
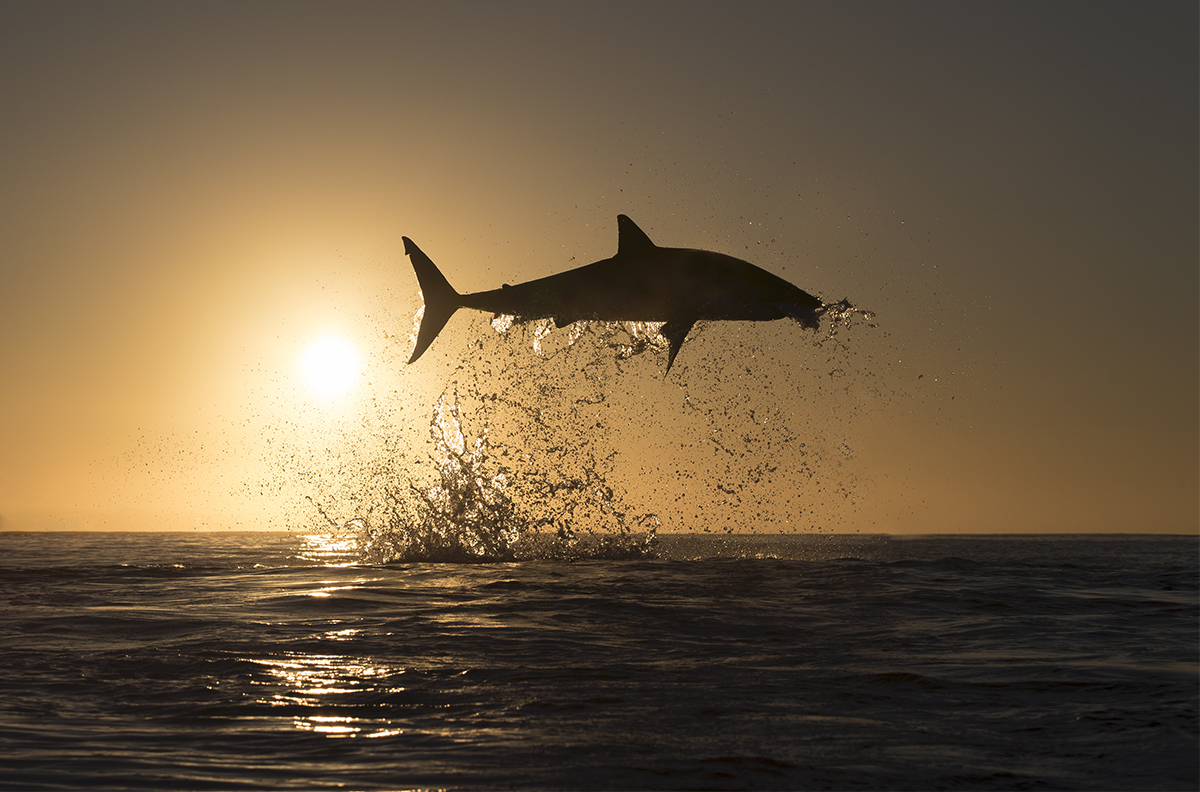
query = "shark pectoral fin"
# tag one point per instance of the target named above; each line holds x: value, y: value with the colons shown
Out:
x: 675, y: 331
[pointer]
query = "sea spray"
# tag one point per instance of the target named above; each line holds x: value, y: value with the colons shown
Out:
x: 522, y: 468
x: 497, y: 504
x: 554, y: 454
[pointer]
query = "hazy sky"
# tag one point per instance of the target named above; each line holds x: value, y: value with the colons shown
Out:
x: 192, y: 194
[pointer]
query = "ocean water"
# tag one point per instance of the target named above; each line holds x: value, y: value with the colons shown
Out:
x: 282, y: 660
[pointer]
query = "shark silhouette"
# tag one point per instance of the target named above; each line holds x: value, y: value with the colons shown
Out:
x: 643, y: 282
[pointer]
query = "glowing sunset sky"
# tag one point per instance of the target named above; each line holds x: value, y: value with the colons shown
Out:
x: 195, y: 195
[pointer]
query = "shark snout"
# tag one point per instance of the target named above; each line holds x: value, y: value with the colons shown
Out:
x: 808, y: 316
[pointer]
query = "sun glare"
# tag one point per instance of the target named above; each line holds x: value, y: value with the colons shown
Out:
x: 330, y: 366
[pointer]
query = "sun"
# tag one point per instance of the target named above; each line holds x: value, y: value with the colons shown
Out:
x: 330, y: 365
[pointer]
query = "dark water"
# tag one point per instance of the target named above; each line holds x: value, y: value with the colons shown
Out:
x: 196, y: 661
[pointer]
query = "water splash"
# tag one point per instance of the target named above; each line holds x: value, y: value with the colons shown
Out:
x: 841, y: 315
x: 531, y: 456
x: 490, y: 505
x: 628, y: 339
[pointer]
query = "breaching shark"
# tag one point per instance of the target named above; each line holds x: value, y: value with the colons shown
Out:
x: 643, y: 282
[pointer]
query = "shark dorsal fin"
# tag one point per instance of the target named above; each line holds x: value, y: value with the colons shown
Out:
x: 631, y: 240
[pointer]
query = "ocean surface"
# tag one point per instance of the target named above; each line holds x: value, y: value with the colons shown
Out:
x: 279, y: 660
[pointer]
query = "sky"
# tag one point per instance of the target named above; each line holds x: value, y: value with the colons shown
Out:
x: 194, y: 196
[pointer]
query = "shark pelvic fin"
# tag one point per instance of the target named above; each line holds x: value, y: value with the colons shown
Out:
x: 675, y: 331
x: 441, y: 300
x: 631, y: 240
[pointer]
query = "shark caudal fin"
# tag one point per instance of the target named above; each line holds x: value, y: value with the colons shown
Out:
x: 441, y: 301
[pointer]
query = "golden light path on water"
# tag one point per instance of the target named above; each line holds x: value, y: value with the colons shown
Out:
x: 336, y: 694
x: 332, y: 549
x: 316, y: 680
x: 333, y: 694
x: 319, y: 680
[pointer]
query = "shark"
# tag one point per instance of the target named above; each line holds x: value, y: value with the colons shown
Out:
x: 642, y: 282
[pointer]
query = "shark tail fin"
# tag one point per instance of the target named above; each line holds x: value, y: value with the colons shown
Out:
x: 441, y: 300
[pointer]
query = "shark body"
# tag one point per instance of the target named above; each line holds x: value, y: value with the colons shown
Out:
x: 642, y: 282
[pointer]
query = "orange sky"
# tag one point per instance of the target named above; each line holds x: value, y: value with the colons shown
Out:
x: 192, y: 193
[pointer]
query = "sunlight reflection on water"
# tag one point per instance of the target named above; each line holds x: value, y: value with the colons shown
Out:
x: 329, y: 549
x: 325, y: 684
